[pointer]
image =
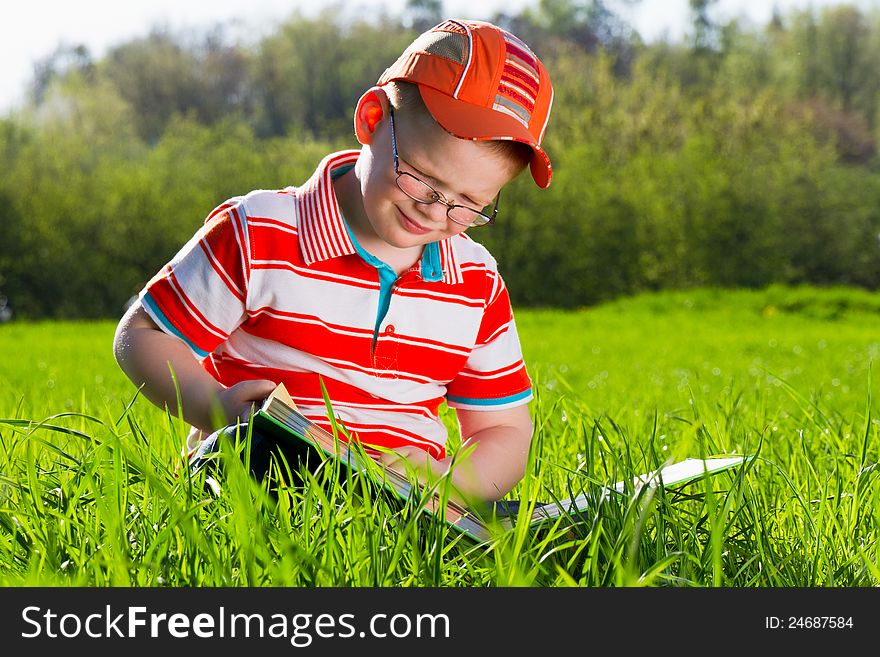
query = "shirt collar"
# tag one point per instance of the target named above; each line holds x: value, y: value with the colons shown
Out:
x: 322, y: 231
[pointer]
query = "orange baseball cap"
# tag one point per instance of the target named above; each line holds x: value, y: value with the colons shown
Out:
x: 481, y: 82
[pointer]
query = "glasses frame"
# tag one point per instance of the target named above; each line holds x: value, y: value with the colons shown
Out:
x: 438, y: 197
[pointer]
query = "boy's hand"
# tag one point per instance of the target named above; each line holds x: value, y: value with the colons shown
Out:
x: 493, y: 458
x: 237, y: 401
x: 149, y: 356
x: 419, y: 459
x: 428, y: 469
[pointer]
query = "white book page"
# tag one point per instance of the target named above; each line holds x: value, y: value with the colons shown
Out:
x: 669, y: 475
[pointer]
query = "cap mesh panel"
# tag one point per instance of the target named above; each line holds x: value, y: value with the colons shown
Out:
x: 445, y: 44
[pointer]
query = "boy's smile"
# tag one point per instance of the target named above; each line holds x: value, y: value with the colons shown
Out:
x: 413, y: 226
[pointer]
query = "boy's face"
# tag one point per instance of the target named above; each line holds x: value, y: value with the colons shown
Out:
x: 465, y: 172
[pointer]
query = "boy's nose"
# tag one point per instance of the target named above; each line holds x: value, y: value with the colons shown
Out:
x: 434, y: 213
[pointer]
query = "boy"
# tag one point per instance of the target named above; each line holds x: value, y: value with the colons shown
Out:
x: 363, y: 278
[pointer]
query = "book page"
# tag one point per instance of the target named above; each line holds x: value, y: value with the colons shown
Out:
x: 670, y: 475
x: 280, y: 393
x: 682, y: 471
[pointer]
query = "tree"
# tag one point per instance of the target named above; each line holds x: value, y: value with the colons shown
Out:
x: 310, y: 74
x: 421, y: 15
x: 162, y: 75
x: 850, y: 72
x: 705, y: 29
x: 64, y: 60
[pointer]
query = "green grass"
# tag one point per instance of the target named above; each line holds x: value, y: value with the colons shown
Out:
x: 93, y: 492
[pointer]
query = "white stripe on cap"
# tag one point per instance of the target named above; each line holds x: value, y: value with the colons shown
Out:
x: 546, y: 118
x: 467, y: 65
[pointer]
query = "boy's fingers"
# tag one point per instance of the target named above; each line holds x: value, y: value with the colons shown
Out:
x: 415, y: 457
x: 239, y: 400
x: 393, y: 458
x: 255, y: 390
x: 390, y: 457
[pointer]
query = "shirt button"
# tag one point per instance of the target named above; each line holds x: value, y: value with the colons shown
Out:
x: 389, y: 329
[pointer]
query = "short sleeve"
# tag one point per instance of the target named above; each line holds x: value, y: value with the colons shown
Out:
x: 495, y: 376
x: 200, y: 295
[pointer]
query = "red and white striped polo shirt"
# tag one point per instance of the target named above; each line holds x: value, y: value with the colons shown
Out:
x: 273, y: 286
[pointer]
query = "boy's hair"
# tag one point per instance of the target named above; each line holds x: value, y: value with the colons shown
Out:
x: 479, y: 82
x: 405, y: 96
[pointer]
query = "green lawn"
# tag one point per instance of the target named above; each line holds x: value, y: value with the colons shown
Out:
x: 98, y: 496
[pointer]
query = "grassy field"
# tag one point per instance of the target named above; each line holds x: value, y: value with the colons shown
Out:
x: 92, y: 491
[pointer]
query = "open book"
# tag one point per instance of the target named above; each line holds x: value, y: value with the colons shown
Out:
x: 279, y: 417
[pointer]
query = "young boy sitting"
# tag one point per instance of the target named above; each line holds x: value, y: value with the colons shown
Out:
x: 363, y: 279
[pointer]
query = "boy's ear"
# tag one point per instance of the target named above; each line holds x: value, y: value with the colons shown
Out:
x: 371, y: 109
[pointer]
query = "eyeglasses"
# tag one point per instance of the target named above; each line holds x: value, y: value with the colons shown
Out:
x: 421, y: 192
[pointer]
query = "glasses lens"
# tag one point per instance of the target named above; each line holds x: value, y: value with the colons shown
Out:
x: 467, y: 217
x: 416, y: 189
x: 422, y: 192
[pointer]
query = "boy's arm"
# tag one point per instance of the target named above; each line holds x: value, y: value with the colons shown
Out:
x: 497, y: 445
x: 498, y: 460
x: 147, y: 355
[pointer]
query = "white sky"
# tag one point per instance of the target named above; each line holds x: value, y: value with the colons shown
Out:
x: 32, y: 29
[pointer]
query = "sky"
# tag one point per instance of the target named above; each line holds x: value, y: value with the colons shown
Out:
x: 34, y: 28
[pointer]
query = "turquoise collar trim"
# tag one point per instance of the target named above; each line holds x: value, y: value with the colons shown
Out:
x: 431, y: 269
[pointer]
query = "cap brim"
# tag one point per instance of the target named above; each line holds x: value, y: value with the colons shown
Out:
x: 468, y: 121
